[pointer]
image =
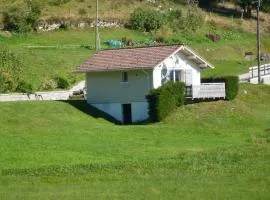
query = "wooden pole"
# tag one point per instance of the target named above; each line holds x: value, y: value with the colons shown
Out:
x: 258, y: 42
x: 97, y: 32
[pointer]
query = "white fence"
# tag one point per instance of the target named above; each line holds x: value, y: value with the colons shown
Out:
x: 264, y: 70
x: 55, y: 95
x: 207, y: 91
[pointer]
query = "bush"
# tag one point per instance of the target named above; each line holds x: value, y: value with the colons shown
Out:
x: 174, y: 15
x: 63, y: 26
x: 22, y: 18
x: 24, y: 87
x: 194, y: 19
x: 191, y: 21
x: 231, y: 85
x: 146, y: 20
x: 11, y: 68
x: 62, y: 83
x: 2, y: 83
x: 48, y: 85
x: 213, y: 37
x: 160, y: 39
x: 165, y: 99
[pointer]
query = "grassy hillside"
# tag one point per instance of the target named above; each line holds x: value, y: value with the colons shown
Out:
x: 116, y: 9
x: 201, y: 151
x: 46, y: 55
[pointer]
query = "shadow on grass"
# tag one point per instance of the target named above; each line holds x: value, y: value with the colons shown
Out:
x: 193, y: 101
x: 83, y: 106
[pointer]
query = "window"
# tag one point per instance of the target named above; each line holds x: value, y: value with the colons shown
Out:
x: 124, y: 77
x: 177, y: 75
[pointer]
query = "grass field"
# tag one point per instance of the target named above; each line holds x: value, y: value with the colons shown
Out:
x: 215, y: 150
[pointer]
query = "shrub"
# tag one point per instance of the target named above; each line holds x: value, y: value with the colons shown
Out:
x: 24, y: 87
x: 213, y: 37
x: 63, y: 26
x: 11, y: 68
x: 160, y: 39
x: 2, y: 83
x: 22, y: 19
x: 165, y: 99
x: 146, y: 20
x: 61, y: 82
x: 191, y: 21
x: 127, y: 41
x: 231, y: 85
x: 194, y: 19
x: 174, y: 15
x: 48, y: 85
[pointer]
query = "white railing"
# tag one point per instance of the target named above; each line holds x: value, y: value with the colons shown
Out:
x: 207, y: 91
x: 264, y: 70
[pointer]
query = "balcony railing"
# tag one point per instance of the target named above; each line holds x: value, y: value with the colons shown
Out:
x: 206, y: 91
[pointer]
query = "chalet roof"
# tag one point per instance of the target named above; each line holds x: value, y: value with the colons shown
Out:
x: 136, y: 58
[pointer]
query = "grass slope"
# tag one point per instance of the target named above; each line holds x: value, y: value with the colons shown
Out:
x: 46, y: 55
x: 216, y: 150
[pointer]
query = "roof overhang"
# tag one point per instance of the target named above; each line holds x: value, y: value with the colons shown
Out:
x: 112, y: 70
x: 193, y: 56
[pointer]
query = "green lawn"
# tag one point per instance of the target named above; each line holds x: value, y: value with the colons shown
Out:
x: 214, y: 150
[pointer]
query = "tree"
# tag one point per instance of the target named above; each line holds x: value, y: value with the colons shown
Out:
x: 266, y: 6
x: 246, y: 5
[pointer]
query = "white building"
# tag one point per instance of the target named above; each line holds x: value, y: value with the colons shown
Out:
x: 118, y: 80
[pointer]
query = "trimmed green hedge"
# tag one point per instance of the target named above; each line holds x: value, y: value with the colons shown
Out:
x: 231, y: 85
x: 165, y: 99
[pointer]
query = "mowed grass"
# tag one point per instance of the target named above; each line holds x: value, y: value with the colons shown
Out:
x: 214, y: 150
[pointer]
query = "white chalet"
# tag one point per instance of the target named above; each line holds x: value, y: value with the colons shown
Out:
x: 118, y: 80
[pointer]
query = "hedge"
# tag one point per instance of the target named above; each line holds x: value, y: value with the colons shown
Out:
x: 165, y: 99
x: 231, y: 85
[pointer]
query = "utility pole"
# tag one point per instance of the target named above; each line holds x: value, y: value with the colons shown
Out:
x: 258, y: 42
x: 97, y: 24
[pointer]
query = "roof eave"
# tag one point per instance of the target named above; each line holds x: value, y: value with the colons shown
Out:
x: 111, y: 70
x: 194, y: 56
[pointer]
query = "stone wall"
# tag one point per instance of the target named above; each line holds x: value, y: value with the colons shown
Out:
x: 52, y: 25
